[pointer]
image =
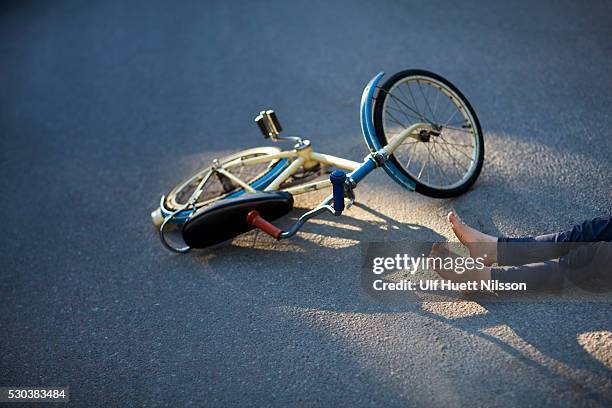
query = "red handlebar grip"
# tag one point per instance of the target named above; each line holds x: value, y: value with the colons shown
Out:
x: 254, y: 219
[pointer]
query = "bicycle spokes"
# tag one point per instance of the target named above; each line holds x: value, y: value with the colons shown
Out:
x: 445, y: 157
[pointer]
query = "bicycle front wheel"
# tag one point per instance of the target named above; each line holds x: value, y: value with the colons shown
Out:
x: 445, y: 163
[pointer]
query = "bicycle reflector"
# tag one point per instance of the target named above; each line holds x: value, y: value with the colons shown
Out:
x: 268, y: 124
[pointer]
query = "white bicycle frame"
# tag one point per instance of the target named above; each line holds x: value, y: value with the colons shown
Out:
x: 302, y: 156
x: 306, y: 157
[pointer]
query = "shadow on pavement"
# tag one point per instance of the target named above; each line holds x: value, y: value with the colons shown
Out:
x: 319, y: 269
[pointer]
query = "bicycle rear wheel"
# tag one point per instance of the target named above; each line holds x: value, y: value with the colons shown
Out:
x: 446, y: 163
x: 218, y: 186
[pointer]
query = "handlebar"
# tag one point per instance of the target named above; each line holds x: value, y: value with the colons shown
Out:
x: 337, y: 179
x: 340, y: 188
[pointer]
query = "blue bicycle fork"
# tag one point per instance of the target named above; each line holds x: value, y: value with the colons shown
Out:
x: 339, y: 179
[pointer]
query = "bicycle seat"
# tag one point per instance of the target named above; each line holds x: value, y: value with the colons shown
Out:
x: 226, y: 219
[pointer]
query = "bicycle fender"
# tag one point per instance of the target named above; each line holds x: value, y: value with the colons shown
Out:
x: 366, y: 110
x: 369, y: 133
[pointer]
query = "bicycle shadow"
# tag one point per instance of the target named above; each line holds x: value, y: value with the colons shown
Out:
x: 326, y: 253
x: 314, y: 270
x: 348, y: 230
x: 546, y: 340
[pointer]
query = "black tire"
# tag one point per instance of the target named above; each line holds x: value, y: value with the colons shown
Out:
x: 382, y: 137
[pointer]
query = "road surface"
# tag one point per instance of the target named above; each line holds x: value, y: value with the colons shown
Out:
x: 106, y: 105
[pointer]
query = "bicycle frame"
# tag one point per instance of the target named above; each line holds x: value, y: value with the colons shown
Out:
x: 303, y: 154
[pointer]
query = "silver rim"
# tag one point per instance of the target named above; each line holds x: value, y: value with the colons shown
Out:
x: 444, y: 161
x: 214, y: 188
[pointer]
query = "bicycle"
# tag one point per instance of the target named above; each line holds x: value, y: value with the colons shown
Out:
x: 417, y: 125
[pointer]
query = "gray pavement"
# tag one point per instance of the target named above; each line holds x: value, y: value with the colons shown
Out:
x: 106, y: 105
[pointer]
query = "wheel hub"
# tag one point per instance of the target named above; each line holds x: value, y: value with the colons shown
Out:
x: 425, y: 135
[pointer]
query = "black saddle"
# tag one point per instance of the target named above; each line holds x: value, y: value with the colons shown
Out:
x: 226, y: 219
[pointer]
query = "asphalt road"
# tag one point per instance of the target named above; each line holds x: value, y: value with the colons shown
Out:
x: 105, y: 105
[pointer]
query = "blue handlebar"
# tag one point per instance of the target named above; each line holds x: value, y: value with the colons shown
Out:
x: 337, y: 179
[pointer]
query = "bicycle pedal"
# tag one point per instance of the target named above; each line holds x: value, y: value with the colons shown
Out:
x: 268, y: 124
